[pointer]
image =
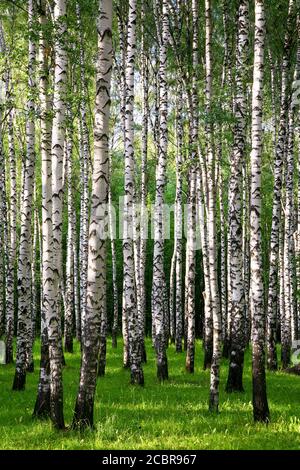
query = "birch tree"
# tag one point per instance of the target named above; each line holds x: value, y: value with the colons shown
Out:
x: 70, y: 294
x: 211, y: 219
x: 12, y: 221
x: 96, y: 282
x: 130, y: 310
x: 53, y: 314
x: 260, y: 403
x: 277, y: 200
x: 42, y: 404
x: 24, y: 262
x: 84, y: 171
x: 158, y: 281
x: 191, y: 218
x: 235, y: 239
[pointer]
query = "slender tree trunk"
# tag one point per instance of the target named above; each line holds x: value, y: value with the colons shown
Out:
x: 158, y: 282
x: 2, y: 202
x: 207, y: 330
x: 191, y: 220
x: 297, y: 233
x: 130, y: 309
x: 278, y: 175
x: 57, y: 157
x: 288, y: 248
x: 235, y: 234
x: 260, y: 403
x: 211, y: 221
x: 84, y: 175
x: 12, y: 252
x: 42, y: 404
x: 96, y: 285
x: 123, y: 92
x: 223, y: 249
x: 144, y: 183
x: 178, y: 245
x: 76, y: 285
x: 34, y: 289
x: 70, y: 294
x: 24, y: 262
x: 115, y: 325
x: 246, y: 250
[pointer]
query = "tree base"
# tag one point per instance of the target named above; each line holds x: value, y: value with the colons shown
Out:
x: 213, y: 407
x: 137, y: 377
x: 234, y: 388
x: 42, y: 406
x: 235, y: 372
x: 83, y: 415
x: 162, y: 371
x: 57, y: 415
x: 19, y: 381
x: 261, y: 416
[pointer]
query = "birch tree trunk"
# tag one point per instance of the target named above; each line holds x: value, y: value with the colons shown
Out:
x: 178, y: 227
x: 57, y: 156
x: 42, y: 404
x: 84, y: 174
x: 260, y: 403
x: 288, y: 248
x: 2, y: 199
x: 191, y: 218
x: 144, y: 183
x: 76, y: 285
x: 297, y: 233
x: 70, y: 294
x: 130, y: 309
x: 278, y: 176
x: 24, y: 262
x: 235, y: 234
x: 202, y: 204
x: 115, y: 325
x: 158, y: 282
x: 96, y: 283
x: 211, y: 220
x: 34, y: 288
x: 12, y: 251
x: 123, y: 90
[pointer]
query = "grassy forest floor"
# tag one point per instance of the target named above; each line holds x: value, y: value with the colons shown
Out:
x: 169, y: 416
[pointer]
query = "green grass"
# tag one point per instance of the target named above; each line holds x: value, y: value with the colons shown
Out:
x: 169, y: 416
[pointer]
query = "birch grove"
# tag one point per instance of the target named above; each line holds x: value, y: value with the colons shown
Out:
x: 149, y: 199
